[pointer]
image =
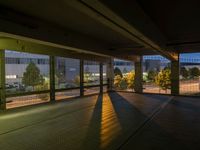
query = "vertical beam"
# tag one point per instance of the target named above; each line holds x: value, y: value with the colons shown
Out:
x: 52, y: 78
x: 138, y: 75
x: 2, y: 81
x: 110, y: 74
x: 175, y: 77
x: 81, y: 77
x: 101, y: 76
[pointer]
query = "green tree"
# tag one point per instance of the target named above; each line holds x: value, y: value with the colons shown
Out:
x: 117, y: 71
x: 194, y: 72
x: 163, y: 79
x: 151, y: 75
x: 125, y: 70
x: 184, y: 72
x: 32, y: 76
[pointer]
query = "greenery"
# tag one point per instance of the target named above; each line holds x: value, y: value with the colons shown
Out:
x: 194, y: 72
x: 151, y: 75
x: 117, y: 71
x: 163, y: 79
x: 77, y: 80
x: 125, y: 82
x: 184, y: 72
x: 32, y: 76
x: 42, y: 87
x: 117, y: 81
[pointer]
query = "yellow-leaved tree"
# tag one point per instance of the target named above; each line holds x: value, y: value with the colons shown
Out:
x: 130, y: 79
x: 163, y: 79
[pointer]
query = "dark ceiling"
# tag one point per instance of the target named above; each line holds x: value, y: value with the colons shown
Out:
x: 177, y: 20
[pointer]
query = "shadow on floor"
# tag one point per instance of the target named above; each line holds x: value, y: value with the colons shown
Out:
x: 115, y: 123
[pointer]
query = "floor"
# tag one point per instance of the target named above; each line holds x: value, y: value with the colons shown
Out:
x: 112, y: 121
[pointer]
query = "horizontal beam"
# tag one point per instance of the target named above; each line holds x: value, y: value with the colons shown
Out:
x: 137, y: 27
x: 25, y: 46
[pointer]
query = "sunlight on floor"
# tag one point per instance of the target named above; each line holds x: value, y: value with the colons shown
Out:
x: 110, y: 126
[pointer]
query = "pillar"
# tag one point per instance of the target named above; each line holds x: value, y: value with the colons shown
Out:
x: 101, y: 76
x: 81, y: 77
x: 175, y: 77
x: 110, y: 74
x: 52, y: 78
x: 138, y: 75
x: 2, y: 81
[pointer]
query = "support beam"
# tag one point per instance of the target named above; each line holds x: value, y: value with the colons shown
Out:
x: 138, y: 75
x: 131, y: 22
x: 175, y: 77
x: 46, y: 48
x: 101, y: 76
x: 81, y: 77
x: 2, y: 81
x: 52, y: 78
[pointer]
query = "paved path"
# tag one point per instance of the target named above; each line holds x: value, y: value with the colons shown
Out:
x: 109, y: 121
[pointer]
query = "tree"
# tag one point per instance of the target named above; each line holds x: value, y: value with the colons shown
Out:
x: 117, y: 81
x: 125, y: 70
x: 163, y: 79
x: 184, y: 72
x: 32, y: 76
x: 117, y: 71
x: 130, y: 79
x: 151, y: 75
x: 194, y: 72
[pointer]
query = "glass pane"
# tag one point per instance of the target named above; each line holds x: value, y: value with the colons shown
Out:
x: 156, y: 74
x: 67, y: 94
x: 67, y: 73
x: 124, y: 75
x: 26, y: 72
x: 19, y: 101
x: 91, y: 73
x: 105, y: 80
x: 190, y: 74
x: 91, y: 90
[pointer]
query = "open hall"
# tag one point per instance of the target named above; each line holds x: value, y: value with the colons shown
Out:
x: 99, y: 74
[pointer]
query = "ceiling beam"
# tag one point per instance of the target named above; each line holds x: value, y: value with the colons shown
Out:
x: 139, y: 28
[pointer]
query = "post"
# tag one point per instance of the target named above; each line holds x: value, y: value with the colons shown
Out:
x: 81, y: 77
x: 52, y: 78
x: 2, y: 81
x: 101, y: 76
x: 175, y: 77
x: 138, y: 75
x: 110, y: 73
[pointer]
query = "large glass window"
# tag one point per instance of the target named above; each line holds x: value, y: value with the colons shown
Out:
x: 26, y: 76
x: 124, y: 75
x: 190, y: 74
x: 26, y: 73
x: 156, y: 74
x: 67, y: 73
x: 91, y: 73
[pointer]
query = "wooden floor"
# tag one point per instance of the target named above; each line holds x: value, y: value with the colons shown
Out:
x: 111, y: 121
